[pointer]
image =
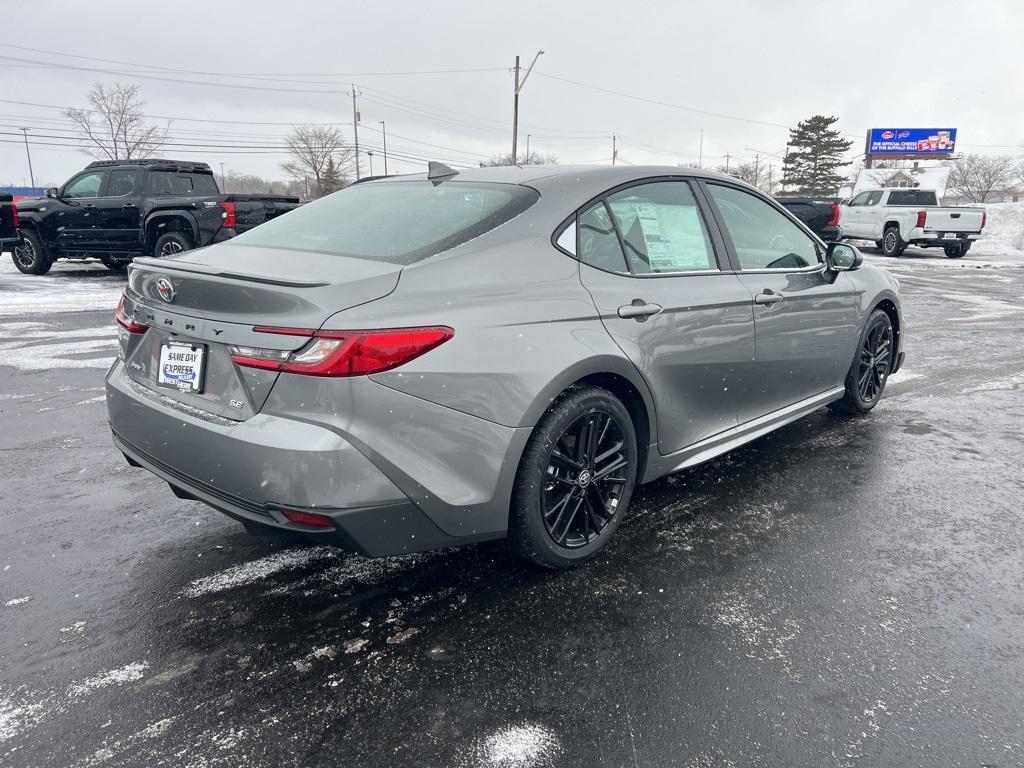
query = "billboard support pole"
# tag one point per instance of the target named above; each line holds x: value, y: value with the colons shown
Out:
x: 867, y: 148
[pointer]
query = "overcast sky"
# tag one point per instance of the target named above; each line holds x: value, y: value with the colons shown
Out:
x: 931, y: 63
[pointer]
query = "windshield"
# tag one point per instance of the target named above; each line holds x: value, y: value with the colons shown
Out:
x: 399, y: 222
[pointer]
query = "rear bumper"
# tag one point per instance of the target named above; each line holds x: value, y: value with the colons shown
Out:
x: 255, y: 470
x: 924, y: 237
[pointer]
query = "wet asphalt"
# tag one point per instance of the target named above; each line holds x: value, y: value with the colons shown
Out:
x: 843, y: 592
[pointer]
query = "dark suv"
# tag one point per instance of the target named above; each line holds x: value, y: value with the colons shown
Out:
x: 118, y: 209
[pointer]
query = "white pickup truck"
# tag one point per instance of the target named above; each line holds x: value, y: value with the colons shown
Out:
x: 896, y: 217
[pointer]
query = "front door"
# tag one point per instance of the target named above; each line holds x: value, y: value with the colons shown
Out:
x: 805, y: 318
x: 650, y: 265
x: 77, y: 225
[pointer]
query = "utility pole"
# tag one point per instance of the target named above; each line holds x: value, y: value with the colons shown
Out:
x: 700, y: 153
x: 355, y: 128
x: 223, y: 184
x: 384, y: 134
x: 527, y: 149
x: 757, y: 169
x: 515, y: 104
x: 727, y: 156
x: 370, y: 154
x: 28, y: 154
x: 615, y: 150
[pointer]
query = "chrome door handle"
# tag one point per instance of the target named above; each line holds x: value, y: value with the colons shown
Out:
x: 639, y: 310
x: 768, y: 297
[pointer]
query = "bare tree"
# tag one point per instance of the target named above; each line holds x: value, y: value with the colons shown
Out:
x: 113, y: 126
x: 318, y: 153
x: 534, y: 158
x: 975, y: 178
x: 754, y: 173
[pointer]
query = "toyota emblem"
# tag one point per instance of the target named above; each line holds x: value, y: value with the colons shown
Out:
x: 165, y: 290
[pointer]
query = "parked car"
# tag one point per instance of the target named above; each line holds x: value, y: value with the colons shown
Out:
x: 8, y: 221
x: 431, y: 360
x: 897, y: 217
x: 117, y: 210
x: 820, y: 214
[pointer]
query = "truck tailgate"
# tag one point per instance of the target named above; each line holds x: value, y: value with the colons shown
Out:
x: 954, y: 220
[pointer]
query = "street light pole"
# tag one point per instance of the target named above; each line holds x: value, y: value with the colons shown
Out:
x: 384, y: 134
x: 527, y: 148
x: 515, y: 103
x: 28, y: 154
x: 223, y: 184
x: 370, y: 155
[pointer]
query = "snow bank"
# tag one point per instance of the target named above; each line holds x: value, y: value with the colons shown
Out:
x: 1004, y: 231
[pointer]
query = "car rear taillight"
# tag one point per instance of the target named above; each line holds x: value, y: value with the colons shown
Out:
x: 984, y: 219
x: 343, y: 353
x: 835, y: 216
x: 307, y: 518
x: 922, y: 218
x: 15, y: 221
x: 126, y: 322
x: 230, y: 220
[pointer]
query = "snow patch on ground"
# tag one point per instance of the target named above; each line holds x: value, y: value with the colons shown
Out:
x: 129, y: 673
x: 1004, y: 231
x: 18, y: 601
x: 14, y: 718
x: 764, y: 637
x: 1007, y: 383
x: 517, y: 746
x: 257, y: 570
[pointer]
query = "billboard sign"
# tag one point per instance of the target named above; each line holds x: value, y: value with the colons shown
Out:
x: 912, y: 141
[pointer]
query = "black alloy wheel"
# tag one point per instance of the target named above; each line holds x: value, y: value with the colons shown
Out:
x: 870, y: 369
x: 575, y: 479
x: 588, y: 469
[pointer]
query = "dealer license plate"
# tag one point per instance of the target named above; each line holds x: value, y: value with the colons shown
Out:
x: 182, y: 366
x: 949, y: 236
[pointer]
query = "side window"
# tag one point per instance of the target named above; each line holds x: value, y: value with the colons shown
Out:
x: 86, y: 185
x: 874, y: 197
x: 121, y: 183
x: 860, y: 199
x: 661, y: 228
x: 763, y: 237
x: 599, y: 245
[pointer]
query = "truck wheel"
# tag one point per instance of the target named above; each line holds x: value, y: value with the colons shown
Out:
x: 171, y: 244
x: 30, y: 254
x: 957, y: 251
x: 892, y: 243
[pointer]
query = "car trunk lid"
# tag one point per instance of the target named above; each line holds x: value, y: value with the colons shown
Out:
x: 199, y: 305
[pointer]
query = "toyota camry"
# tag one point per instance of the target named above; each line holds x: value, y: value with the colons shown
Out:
x: 431, y: 360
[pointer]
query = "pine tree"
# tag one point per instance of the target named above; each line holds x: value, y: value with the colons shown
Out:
x: 332, y: 179
x: 814, y: 155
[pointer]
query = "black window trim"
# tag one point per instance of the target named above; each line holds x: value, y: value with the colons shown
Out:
x: 819, y: 244
x: 718, y: 246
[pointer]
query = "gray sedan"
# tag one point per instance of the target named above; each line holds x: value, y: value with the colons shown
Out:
x: 430, y: 360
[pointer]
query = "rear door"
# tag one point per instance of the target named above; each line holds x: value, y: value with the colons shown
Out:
x: 650, y: 262
x: 117, y: 210
x: 805, y: 318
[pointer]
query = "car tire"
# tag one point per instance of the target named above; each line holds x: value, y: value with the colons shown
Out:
x: 571, y: 493
x: 892, y: 242
x: 29, y: 255
x: 171, y: 244
x: 869, y: 371
x: 956, y: 251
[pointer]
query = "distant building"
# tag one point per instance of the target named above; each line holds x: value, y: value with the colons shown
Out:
x: 919, y: 174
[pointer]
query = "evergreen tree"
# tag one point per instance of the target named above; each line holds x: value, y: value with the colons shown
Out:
x: 331, y: 180
x: 815, y: 153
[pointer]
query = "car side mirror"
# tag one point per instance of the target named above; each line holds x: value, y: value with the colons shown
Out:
x: 840, y: 257
x: 52, y: 192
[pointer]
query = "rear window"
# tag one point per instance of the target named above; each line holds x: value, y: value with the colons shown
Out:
x: 913, y: 197
x: 175, y: 183
x: 399, y: 222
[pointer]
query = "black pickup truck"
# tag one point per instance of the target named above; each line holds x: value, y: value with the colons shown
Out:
x: 8, y: 221
x: 820, y: 214
x: 116, y: 210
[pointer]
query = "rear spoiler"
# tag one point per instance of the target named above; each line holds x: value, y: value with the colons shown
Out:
x: 154, y: 265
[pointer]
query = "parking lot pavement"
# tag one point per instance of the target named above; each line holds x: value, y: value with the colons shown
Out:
x: 842, y: 592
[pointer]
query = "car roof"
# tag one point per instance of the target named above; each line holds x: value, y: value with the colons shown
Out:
x: 612, y: 174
